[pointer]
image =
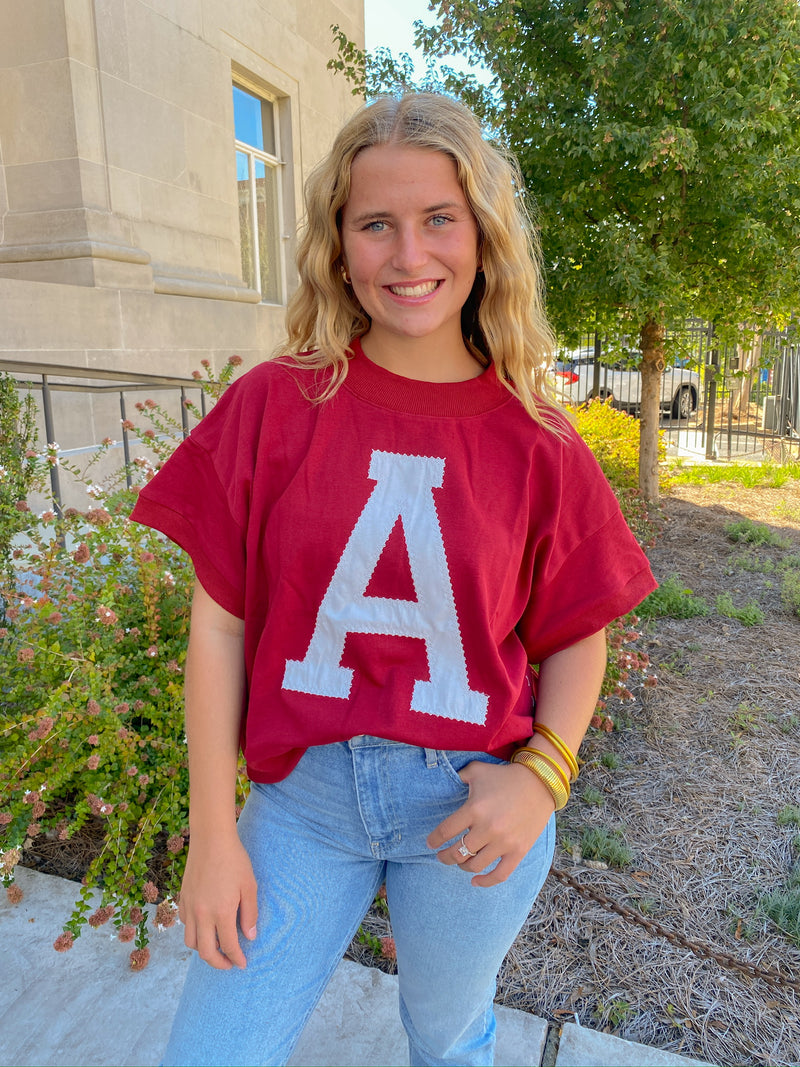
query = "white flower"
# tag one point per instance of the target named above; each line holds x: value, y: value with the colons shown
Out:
x: 96, y: 491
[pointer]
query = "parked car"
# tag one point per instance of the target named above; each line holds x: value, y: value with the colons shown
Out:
x: 622, y: 384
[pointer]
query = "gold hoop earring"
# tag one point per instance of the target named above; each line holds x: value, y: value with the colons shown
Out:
x: 345, y: 276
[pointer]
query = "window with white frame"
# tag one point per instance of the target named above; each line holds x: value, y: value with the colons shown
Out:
x: 258, y: 175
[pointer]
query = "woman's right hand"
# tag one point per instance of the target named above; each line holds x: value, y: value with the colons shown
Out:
x: 219, y: 898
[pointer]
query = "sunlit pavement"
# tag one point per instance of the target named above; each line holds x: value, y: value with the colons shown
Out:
x: 87, y: 1007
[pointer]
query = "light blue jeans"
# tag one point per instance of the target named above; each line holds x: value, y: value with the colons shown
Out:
x: 351, y: 816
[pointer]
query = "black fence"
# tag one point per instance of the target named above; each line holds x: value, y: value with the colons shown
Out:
x: 718, y: 401
x: 108, y: 400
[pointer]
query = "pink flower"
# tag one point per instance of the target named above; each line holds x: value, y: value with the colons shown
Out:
x: 205, y: 363
x: 132, y: 772
x: 25, y: 655
x: 122, y: 709
x: 93, y: 739
x: 93, y: 762
x: 140, y: 957
x: 5, y: 818
x: 127, y: 425
x: 38, y: 809
x: 34, y: 829
x: 165, y: 915
x: 81, y: 554
x: 30, y: 797
x: 98, y: 516
x: 21, y: 506
x: 126, y: 933
x: 152, y: 651
x: 14, y: 893
x: 3, y: 631
x: 150, y: 404
x: 150, y: 892
x: 64, y: 942
x: 388, y: 948
x: 101, y: 916
x: 146, y: 557
x: 144, y: 780
x: 106, y: 616
x: 196, y: 374
x: 55, y: 618
x: 235, y: 361
x: 93, y: 708
x: 175, y: 844
x: 136, y: 915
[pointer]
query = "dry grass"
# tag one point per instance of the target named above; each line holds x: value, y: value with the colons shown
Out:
x: 706, y: 762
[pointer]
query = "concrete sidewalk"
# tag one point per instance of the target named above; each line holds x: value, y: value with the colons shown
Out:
x: 86, y: 1007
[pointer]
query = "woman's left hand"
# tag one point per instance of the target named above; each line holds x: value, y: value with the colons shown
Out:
x: 507, y: 809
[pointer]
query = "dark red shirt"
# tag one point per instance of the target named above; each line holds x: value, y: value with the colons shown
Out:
x: 400, y: 554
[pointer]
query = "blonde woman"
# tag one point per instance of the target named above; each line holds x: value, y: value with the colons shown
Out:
x: 388, y: 523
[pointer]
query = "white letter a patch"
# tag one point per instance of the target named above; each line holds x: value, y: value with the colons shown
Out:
x: 404, y: 489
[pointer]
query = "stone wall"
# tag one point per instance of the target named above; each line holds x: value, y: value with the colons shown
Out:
x: 119, y: 226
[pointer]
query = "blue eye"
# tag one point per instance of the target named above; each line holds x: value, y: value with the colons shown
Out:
x: 440, y: 220
x: 377, y: 226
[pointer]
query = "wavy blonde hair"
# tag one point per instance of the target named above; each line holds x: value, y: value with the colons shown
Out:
x: 503, y: 319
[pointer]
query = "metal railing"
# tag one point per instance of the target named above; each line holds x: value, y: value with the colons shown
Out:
x: 740, y: 403
x: 48, y: 379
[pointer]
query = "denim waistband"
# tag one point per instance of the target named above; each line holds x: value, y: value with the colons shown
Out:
x: 370, y: 741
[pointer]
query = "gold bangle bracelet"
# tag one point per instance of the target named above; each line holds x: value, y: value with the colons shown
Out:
x: 547, y: 776
x: 561, y: 746
x: 553, y: 763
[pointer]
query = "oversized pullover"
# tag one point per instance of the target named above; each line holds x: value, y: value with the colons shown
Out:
x: 400, y: 555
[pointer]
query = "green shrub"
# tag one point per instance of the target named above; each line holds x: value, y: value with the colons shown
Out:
x: 782, y: 906
x: 21, y: 468
x: 606, y: 846
x: 91, y: 707
x: 790, y: 591
x: 753, y: 533
x: 613, y: 437
x: 750, y: 615
x: 672, y: 600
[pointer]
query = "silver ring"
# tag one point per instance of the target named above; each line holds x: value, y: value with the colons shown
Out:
x: 463, y: 850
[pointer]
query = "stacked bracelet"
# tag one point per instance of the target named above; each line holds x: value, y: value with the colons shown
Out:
x: 561, y: 747
x: 547, y: 771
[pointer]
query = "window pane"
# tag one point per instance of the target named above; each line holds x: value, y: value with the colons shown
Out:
x: 245, y: 221
x: 247, y: 122
x: 268, y: 235
x: 253, y: 120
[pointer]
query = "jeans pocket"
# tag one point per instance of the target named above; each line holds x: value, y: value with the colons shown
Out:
x: 454, y: 760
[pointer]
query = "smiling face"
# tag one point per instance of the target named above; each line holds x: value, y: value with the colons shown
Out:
x: 410, y: 246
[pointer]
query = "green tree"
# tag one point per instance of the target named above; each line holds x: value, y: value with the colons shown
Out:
x: 660, y: 141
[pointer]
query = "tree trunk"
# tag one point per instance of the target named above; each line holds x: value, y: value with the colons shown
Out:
x: 652, y: 367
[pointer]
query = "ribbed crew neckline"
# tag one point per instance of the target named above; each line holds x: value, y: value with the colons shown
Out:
x: 379, y: 386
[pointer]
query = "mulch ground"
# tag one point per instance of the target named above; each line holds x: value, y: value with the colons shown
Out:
x: 701, y: 767
x: 705, y: 762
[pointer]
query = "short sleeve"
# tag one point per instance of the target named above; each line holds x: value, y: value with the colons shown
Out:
x: 590, y: 571
x: 199, y: 499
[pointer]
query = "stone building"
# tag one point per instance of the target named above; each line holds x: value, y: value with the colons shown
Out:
x: 152, y: 158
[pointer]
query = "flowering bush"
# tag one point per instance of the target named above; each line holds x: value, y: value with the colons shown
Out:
x: 613, y: 438
x: 21, y: 468
x: 91, y: 710
x: 94, y: 642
